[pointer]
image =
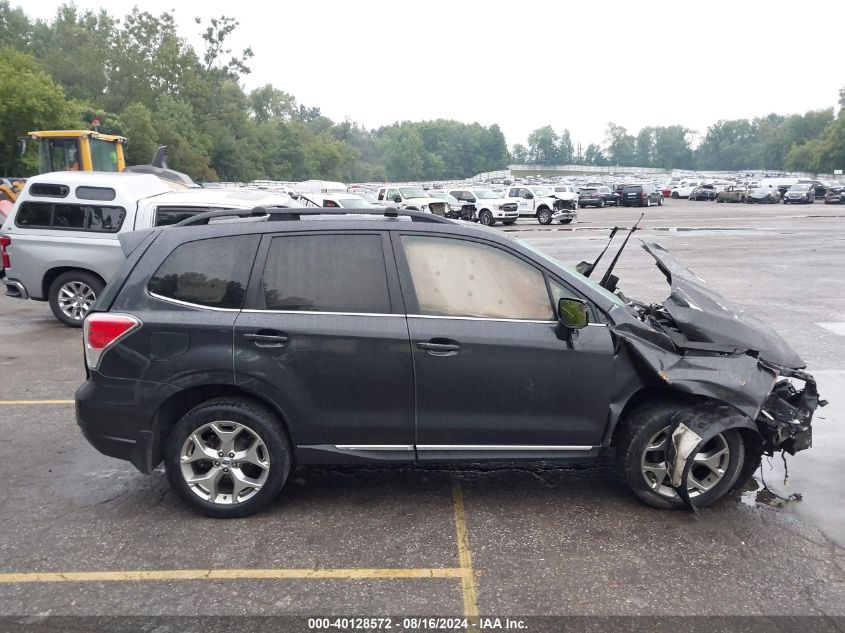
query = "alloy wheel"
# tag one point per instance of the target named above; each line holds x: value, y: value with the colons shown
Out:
x: 224, y: 462
x: 75, y: 299
x: 709, y: 465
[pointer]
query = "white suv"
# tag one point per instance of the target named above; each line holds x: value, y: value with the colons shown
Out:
x: 540, y: 202
x: 489, y: 207
x: 412, y: 198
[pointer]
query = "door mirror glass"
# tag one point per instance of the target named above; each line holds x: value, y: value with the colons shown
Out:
x: 572, y: 313
x: 528, y: 195
x: 397, y: 199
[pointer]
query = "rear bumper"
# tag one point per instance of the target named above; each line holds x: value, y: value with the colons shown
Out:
x: 118, y: 417
x: 15, y: 289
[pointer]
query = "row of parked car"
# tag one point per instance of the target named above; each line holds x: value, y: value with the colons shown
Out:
x: 799, y: 193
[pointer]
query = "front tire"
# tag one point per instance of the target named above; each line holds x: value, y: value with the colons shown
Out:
x: 486, y: 218
x: 544, y: 216
x: 675, y: 195
x: 73, y: 294
x: 228, y: 457
x: 641, y: 450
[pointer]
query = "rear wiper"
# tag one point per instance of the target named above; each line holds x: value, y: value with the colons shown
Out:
x: 585, y: 268
x: 608, y: 282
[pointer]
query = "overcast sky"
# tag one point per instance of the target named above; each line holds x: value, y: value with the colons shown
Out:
x: 525, y: 64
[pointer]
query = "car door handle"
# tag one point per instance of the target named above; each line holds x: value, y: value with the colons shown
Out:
x: 439, y: 347
x: 267, y: 340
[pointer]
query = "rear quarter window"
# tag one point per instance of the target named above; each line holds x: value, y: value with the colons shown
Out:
x: 212, y: 273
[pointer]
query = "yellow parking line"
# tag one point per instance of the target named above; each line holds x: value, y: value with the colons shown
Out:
x: 2, y: 402
x: 468, y: 588
x: 234, y: 574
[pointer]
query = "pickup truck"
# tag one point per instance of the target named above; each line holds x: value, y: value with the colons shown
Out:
x: 732, y: 193
x: 411, y: 198
x: 489, y: 207
x: 60, y: 241
x: 539, y: 202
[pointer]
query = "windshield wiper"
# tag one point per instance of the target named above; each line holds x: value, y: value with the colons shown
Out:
x: 585, y: 268
x: 608, y: 282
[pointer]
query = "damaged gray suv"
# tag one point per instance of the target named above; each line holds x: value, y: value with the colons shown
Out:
x: 234, y: 350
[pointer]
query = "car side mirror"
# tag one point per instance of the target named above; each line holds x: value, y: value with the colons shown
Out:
x: 397, y: 199
x: 528, y: 196
x: 573, y: 313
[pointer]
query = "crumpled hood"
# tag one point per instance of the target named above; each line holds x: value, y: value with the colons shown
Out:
x: 705, y: 316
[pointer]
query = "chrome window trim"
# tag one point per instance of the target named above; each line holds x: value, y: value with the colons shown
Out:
x: 499, y: 447
x: 187, y: 304
x: 374, y: 447
x: 323, y: 313
x: 470, y: 318
x: 467, y: 318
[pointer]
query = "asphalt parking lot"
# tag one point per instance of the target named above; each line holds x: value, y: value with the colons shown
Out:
x: 84, y: 534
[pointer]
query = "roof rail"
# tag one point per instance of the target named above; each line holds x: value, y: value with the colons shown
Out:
x: 296, y: 213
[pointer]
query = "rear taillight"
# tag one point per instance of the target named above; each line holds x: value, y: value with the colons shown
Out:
x: 102, y: 330
x: 5, y: 241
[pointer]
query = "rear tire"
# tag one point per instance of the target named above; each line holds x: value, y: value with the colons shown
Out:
x: 245, y: 420
x: 72, y: 294
x: 675, y: 195
x: 635, y: 462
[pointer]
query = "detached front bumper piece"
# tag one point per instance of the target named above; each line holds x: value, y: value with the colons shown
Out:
x: 783, y: 424
x: 785, y: 420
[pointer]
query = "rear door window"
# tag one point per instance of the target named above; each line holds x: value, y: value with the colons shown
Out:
x: 167, y: 216
x: 211, y: 273
x: 326, y: 273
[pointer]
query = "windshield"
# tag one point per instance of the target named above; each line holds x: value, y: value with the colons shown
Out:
x: 542, y: 192
x: 585, y: 280
x: 413, y: 192
x: 355, y: 203
x: 799, y: 187
x: 484, y: 194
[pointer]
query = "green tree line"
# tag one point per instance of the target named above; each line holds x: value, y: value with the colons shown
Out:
x: 812, y: 142
x: 143, y: 81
